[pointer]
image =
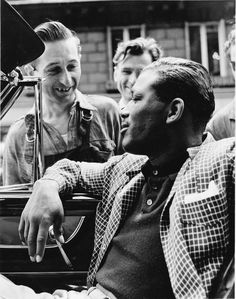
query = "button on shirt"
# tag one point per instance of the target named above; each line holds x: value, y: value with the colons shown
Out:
x: 134, y: 266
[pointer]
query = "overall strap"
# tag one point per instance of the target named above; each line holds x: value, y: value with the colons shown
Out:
x: 84, y: 117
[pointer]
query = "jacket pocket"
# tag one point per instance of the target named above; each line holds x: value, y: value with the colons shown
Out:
x: 205, y: 226
x: 207, y: 211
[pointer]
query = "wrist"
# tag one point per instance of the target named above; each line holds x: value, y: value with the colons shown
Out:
x: 51, y: 183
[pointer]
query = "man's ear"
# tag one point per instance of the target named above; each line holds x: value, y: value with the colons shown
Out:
x: 29, y: 69
x: 115, y: 73
x: 175, y: 110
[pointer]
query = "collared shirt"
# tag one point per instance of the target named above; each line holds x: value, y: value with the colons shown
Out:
x: 103, y: 138
x: 192, y: 264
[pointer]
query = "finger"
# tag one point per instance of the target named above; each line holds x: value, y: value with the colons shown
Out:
x: 60, y: 293
x: 26, y: 232
x: 58, y: 233
x: 31, y: 241
x: 78, y: 295
x: 21, y: 230
x: 58, y: 229
x: 41, y: 240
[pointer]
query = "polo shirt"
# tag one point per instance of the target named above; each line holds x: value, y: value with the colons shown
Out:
x: 134, y: 266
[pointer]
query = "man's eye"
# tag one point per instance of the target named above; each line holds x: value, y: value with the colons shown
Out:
x: 126, y: 72
x: 136, y: 99
x: 71, y: 67
x: 54, y: 70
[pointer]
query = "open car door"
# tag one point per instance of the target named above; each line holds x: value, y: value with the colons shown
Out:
x: 19, y: 46
x: 53, y: 272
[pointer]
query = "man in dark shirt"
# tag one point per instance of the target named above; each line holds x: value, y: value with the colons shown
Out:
x: 163, y: 225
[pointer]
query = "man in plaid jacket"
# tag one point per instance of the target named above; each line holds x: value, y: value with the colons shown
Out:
x: 164, y: 226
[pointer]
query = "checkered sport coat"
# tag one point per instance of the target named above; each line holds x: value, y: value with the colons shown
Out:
x: 195, y: 223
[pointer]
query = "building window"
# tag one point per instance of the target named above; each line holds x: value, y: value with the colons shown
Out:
x: 116, y: 35
x: 205, y: 44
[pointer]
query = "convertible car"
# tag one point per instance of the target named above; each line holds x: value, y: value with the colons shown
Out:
x: 66, y: 266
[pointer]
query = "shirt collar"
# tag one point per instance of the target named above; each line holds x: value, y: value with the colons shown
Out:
x: 172, y: 166
x: 192, y: 151
x: 83, y: 102
x: 79, y: 98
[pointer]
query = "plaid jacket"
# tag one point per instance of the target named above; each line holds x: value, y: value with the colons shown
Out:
x: 195, y: 222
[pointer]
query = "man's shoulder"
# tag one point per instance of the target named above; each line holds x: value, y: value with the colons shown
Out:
x: 18, y: 126
x: 134, y: 158
x: 228, y: 110
x: 102, y: 102
x: 221, y: 144
x: 223, y: 115
x: 218, y: 148
x: 128, y: 162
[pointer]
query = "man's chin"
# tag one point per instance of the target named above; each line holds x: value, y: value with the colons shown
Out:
x: 68, y: 98
x: 130, y: 147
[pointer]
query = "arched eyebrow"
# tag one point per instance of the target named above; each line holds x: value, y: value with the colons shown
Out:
x: 52, y: 64
x: 75, y: 61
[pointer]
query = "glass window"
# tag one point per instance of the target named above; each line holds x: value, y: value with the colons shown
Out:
x: 116, y: 37
x: 205, y: 42
x: 134, y: 32
x: 213, y: 50
x: 195, y: 46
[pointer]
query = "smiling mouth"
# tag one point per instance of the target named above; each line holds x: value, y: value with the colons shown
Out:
x: 124, y: 128
x: 63, y: 89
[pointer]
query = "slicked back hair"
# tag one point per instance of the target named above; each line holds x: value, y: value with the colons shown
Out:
x: 188, y: 80
x: 56, y: 31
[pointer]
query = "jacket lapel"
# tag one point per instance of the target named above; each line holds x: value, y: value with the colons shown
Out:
x: 179, y: 262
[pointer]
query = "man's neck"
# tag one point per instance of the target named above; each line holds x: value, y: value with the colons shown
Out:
x: 53, y: 110
x: 172, y: 151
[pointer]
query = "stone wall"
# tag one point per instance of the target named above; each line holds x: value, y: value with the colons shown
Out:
x: 171, y: 40
x: 94, y: 62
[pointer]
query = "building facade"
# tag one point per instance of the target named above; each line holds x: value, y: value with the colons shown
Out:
x: 188, y: 29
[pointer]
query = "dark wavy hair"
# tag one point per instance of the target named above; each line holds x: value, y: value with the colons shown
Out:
x: 137, y: 47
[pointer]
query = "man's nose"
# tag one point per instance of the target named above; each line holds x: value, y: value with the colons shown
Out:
x: 124, y: 113
x: 132, y: 78
x: 66, y: 78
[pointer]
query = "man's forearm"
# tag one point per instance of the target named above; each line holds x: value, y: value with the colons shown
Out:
x: 72, y: 175
x: 65, y: 172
